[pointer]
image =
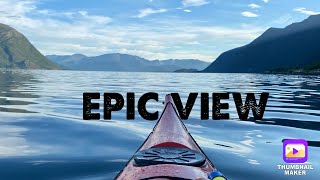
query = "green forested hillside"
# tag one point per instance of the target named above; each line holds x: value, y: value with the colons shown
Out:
x: 17, y: 52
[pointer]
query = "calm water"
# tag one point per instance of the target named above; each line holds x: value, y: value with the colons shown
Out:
x: 43, y: 136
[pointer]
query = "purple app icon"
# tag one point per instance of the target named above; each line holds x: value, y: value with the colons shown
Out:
x: 295, y: 151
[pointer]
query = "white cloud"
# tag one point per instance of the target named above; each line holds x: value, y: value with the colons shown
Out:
x: 189, y: 3
x: 93, y: 18
x: 266, y: 1
x: 149, y: 11
x: 7, y: 9
x: 72, y: 32
x: 254, y: 6
x: 187, y: 10
x: 249, y: 14
x: 305, y: 11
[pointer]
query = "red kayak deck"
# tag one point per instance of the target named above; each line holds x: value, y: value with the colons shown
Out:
x: 169, y: 132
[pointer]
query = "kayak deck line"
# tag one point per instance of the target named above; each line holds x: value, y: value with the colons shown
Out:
x: 169, y: 152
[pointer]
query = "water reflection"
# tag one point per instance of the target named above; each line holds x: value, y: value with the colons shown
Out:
x: 42, y: 133
x: 10, y: 96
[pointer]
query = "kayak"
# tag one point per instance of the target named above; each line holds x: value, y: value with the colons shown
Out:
x: 169, y: 152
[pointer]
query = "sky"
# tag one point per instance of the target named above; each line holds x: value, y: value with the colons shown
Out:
x: 153, y: 29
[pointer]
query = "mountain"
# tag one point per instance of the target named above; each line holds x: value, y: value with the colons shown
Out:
x: 124, y: 62
x: 310, y: 68
x: 293, y: 46
x: 67, y: 60
x: 18, y: 53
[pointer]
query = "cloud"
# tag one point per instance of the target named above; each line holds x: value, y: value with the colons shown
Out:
x: 189, y: 3
x: 72, y: 31
x: 93, y: 18
x: 19, y: 8
x: 305, y: 11
x: 187, y: 10
x: 149, y: 11
x: 254, y: 6
x: 266, y: 1
x: 249, y: 14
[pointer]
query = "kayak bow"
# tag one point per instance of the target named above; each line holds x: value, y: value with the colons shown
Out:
x: 169, y: 152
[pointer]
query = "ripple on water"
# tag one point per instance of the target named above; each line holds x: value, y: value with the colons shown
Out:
x: 42, y: 133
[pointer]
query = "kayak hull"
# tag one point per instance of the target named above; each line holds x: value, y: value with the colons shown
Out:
x: 164, y: 170
x: 169, y: 132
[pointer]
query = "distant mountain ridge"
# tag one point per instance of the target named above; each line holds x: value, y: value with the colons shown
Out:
x: 124, y: 62
x: 17, y: 52
x: 292, y: 46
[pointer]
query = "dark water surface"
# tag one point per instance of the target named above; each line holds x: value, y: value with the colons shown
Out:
x: 43, y: 136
